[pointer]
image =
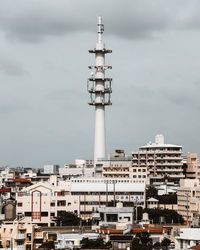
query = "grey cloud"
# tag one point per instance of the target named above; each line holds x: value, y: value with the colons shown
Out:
x: 182, y: 96
x: 11, y: 67
x: 31, y: 21
x: 12, y: 106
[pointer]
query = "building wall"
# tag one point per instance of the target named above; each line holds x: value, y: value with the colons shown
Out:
x: 40, y: 203
x: 192, y: 166
x: 96, y: 192
x: 188, y: 196
x: 164, y: 161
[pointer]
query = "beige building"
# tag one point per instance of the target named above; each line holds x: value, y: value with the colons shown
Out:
x: 41, y: 202
x: 164, y: 161
x: 188, y: 195
x: 118, y: 165
x: 95, y: 193
x: 192, y: 166
x: 17, y: 235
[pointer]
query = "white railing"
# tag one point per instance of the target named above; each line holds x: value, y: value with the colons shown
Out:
x: 20, y: 236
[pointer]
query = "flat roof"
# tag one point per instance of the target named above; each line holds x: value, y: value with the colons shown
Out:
x: 155, y: 145
x: 102, y: 187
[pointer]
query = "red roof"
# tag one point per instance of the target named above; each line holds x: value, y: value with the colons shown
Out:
x: 197, y: 247
x: 151, y: 230
x: 20, y: 180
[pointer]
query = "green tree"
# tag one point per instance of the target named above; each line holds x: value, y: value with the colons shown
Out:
x: 47, y: 245
x: 94, y: 244
x: 169, y: 215
x: 165, y: 243
x: 157, y: 246
x: 168, y: 199
x: 67, y: 219
x: 142, y: 241
x: 151, y: 192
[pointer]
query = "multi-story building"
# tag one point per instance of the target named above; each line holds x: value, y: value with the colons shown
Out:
x: 188, y: 198
x: 81, y: 168
x: 164, y: 161
x: 192, y: 166
x: 118, y: 165
x: 51, y: 169
x: 17, y: 235
x: 41, y: 202
x: 98, y: 192
x: 187, y: 238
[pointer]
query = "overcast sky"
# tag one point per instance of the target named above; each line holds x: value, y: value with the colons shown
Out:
x: 44, y: 115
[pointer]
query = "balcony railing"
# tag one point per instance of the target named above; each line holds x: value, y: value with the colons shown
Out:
x: 20, y: 236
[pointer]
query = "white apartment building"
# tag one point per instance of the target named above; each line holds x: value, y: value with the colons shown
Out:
x: 164, y: 161
x: 81, y: 168
x: 187, y: 238
x: 97, y: 192
x: 118, y: 216
x: 51, y: 169
x: 41, y: 202
x: 71, y: 241
x: 6, y: 174
x: 188, y: 197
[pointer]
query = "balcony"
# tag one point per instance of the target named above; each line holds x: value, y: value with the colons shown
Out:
x: 20, y: 237
x: 20, y: 247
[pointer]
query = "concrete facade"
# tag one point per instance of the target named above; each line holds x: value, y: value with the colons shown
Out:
x: 164, y: 161
x: 188, y: 196
x: 187, y: 237
x: 41, y: 202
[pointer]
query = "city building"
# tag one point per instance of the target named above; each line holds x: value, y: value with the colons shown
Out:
x: 81, y: 168
x: 41, y: 202
x: 118, y: 216
x: 188, y: 197
x: 192, y: 168
x: 118, y: 165
x: 164, y: 161
x: 51, y: 169
x: 98, y: 192
x: 187, y: 238
x: 17, y: 235
x: 73, y: 240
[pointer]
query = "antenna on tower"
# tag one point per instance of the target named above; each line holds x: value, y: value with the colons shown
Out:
x: 100, y: 28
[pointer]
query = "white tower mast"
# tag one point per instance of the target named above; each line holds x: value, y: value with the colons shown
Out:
x: 100, y: 89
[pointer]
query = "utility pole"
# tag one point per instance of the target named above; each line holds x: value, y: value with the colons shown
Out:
x: 106, y: 193
x: 136, y: 211
x: 114, y: 192
x: 187, y: 195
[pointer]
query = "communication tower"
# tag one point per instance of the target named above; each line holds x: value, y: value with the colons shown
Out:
x: 100, y: 89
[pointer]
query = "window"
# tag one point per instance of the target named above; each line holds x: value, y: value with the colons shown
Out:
x: 52, y: 204
x: 28, y: 236
x: 52, y: 214
x: 28, y: 214
x: 44, y: 214
x: 61, y: 203
x: 36, y: 215
x: 19, y: 204
x: 69, y: 204
x: 122, y: 245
